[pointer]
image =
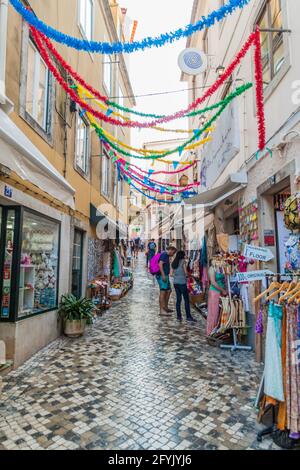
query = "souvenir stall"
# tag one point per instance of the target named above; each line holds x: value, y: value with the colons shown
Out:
x: 227, y: 310
x: 198, y: 279
x: 99, y: 261
x: 122, y: 277
x: 279, y: 392
x: 278, y: 324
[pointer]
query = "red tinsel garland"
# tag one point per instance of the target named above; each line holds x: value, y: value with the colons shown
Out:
x: 124, y: 162
x: 166, y: 119
x: 133, y: 172
x: 254, y: 39
x: 259, y: 92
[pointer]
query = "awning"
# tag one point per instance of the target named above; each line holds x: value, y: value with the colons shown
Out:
x: 19, y: 154
x: 213, y: 197
x: 110, y: 226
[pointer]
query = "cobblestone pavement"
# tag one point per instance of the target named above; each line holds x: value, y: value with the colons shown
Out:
x: 134, y: 381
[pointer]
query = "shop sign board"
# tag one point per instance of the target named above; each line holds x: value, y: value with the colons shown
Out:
x: 223, y: 148
x: 258, y: 253
x: 269, y: 238
x: 252, y: 276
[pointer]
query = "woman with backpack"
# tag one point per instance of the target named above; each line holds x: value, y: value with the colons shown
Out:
x: 180, y: 285
x: 151, y: 251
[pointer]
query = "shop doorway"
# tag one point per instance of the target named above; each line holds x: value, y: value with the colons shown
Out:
x: 7, y: 258
x: 232, y: 227
x: 282, y: 233
x: 77, y: 263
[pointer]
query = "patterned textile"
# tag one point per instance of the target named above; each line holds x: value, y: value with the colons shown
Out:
x: 213, y: 311
x: 293, y: 371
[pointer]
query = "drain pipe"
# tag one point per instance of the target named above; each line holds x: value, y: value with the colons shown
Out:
x: 3, y: 42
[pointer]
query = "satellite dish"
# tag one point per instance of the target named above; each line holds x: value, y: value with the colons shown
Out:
x: 192, y: 61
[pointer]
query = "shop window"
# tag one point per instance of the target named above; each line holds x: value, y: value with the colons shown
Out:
x: 38, y: 279
x: 82, y: 145
x: 107, y: 74
x: 29, y: 257
x: 121, y: 97
x: 77, y: 263
x: 37, y: 87
x: 86, y: 18
x: 272, y: 43
x: 121, y: 194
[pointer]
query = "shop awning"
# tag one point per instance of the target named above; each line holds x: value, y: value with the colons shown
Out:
x: 19, y: 154
x: 108, y: 224
x: 215, y: 196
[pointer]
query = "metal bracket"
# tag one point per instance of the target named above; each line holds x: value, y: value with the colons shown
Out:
x: 274, y: 30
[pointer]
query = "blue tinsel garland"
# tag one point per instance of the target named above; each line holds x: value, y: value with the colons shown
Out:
x: 127, y: 47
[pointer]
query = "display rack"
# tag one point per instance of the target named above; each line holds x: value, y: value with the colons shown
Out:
x: 26, y: 289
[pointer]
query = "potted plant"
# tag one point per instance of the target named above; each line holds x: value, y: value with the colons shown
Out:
x: 76, y: 314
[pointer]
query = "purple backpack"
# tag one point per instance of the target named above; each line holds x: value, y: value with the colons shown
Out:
x: 154, y: 264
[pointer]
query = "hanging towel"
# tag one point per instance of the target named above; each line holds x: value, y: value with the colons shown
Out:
x: 273, y: 361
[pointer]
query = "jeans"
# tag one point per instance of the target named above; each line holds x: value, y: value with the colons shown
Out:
x: 182, y: 291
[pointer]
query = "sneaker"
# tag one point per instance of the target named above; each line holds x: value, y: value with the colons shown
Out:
x: 191, y: 319
x: 179, y: 318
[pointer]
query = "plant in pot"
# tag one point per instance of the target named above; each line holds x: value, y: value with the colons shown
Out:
x: 76, y: 314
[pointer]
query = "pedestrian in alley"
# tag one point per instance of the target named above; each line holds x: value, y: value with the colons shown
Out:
x: 163, y: 279
x: 180, y: 284
x: 151, y: 250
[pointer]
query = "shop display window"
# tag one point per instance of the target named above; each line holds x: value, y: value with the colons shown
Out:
x: 29, y: 263
x: 38, y: 278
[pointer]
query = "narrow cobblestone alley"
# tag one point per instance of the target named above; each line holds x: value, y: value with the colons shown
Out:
x: 134, y: 381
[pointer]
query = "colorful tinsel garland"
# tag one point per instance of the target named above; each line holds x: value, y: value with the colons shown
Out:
x: 87, y: 88
x: 137, y: 124
x: 128, y: 47
x: 181, y: 148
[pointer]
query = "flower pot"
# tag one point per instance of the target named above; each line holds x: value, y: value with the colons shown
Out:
x: 74, y: 328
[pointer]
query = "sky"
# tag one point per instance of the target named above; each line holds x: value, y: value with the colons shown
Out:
x: 156, y: 70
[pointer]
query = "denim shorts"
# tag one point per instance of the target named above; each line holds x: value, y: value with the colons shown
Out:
x: 164, y: 286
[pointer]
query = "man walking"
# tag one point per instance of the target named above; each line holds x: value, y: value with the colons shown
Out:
x: 163, y: 279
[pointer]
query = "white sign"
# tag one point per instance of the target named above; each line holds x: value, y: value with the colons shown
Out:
x: 258, y: 253
x: 252, y: 276
x: 223, y: 148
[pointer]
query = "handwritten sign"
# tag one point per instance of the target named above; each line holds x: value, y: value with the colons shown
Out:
x: 258, y: 253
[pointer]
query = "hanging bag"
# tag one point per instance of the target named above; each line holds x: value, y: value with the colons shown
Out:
x: 154, y: 264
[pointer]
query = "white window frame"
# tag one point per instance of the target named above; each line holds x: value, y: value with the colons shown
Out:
x: 85, y: 170
x: 121, y: 97
x: 105, y: 173
x: 108, y: 74
x: 36, y: 82
x: 121, y: 194
x: 82, y: 4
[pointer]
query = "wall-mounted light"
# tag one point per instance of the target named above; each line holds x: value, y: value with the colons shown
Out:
x: 220, y: 70
x: 202, y: 120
